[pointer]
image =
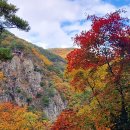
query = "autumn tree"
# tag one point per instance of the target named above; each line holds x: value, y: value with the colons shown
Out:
x: 107, y: 43
x: 66, y: 121
x: 9, y: 19
x: 13, y: 117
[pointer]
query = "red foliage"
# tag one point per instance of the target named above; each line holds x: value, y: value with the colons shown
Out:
x: 77, y: 58
x: 106, y: 43
x: 66, y: 121
x: 109, y: 37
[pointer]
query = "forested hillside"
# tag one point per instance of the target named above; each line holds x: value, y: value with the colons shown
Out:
x: 61, y: 51
x: 99, y: 74
x: 31, y: 76
x: 84, y: 88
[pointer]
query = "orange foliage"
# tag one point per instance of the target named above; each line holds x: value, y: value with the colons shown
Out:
x: 102, y: 128
x: 1, y: 75
x: 42, y: 57
x: 18, y: 118
x: 66, y: 121
x: 61, y: 51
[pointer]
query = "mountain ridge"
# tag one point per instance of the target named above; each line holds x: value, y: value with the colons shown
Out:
x: 62, y: 52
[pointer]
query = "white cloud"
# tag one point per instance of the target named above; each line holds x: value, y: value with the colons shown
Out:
x: 40, y: 44
x: 45, y: 18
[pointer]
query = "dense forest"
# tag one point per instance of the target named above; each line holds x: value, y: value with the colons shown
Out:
x: 83, y: 88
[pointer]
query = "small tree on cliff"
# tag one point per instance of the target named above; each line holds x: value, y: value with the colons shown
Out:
x: 9, y: 19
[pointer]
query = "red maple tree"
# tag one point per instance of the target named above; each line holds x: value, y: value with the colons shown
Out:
x: 108, y: 40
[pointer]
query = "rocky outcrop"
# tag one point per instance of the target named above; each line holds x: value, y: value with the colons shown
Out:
x: 22, y: 85
x: 55, y: 106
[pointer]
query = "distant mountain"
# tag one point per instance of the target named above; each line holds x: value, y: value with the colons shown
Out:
x: 32, y: 76
x: 62, y: 52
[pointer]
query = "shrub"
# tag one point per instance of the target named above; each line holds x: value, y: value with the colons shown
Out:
x: 45, y: 101
x: 17, y: 46
x: 42, y: 84
x: 31, y: 108
x: 56, y: 69
x: 51, y: 92
x: 5, y: 53
x: 29, y: 100
x: 37, y: 69
x: 38, y: 95
x: 18, y: 90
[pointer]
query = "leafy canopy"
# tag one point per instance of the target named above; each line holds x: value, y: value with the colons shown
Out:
x: 108, y: 39
x: 19, y: 118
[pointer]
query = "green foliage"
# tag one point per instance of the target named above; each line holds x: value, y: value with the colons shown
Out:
x: 9, y: 19
x: 51, y: 92
x: 56, y: 69
x: 62, y: 52
x: 31, y: 108
x: 44, y: 117
x: 50, y: 84
x: 37, y: 69
x: 39, y: 95
x: 59, y: 63
x: 45, y: 101
x: 63, y: 97
x: 18, y: 90
x: 17, y: 46
x: 52, y: 57
x: 42, y: 84
x: 48, y: 93
x: 29, y: 100
x: 5, y: 54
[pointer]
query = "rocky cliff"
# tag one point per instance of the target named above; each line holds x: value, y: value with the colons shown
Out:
x: 28, y: 81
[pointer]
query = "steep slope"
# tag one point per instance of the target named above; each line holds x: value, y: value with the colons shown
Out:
x: 31, y: 76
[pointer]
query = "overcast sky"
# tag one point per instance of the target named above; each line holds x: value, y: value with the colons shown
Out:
x: 54, y: 22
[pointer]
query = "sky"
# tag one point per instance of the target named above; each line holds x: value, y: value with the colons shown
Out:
x: 55, y: 22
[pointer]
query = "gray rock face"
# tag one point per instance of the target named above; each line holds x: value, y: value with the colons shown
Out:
x: 22, y: 85
x: 56, y: 105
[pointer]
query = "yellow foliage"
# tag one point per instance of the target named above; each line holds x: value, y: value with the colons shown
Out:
x: 94, y: 77
x: 61, y: 51
x: 42, y: 57
x: 7, y: 41
x: 97, y: 78
x: 17, y: 118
